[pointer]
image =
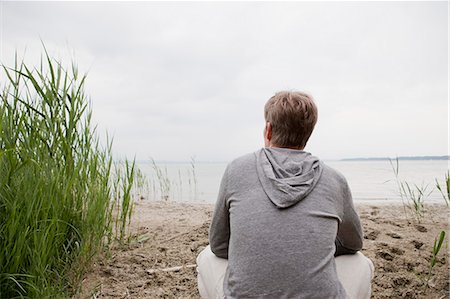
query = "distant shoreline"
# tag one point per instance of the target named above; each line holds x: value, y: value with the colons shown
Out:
x: 412, y: 158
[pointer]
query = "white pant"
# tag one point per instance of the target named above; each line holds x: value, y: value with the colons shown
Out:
x: 355, y: 271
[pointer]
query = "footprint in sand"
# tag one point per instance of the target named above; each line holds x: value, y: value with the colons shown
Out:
x: 374, y: 212
x: 389, y: 267
x: 401, y: 281
x: 382, y: 245
x: 372, y: 235
x: 421, y: 228
x: 392, y: 223
x: 397, y: 251
x: 385, y: 255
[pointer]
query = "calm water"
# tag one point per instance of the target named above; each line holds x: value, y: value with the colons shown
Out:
x: 369, y: 180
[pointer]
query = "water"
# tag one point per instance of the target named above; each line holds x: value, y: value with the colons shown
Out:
x: 371, y: 180
x: 368, y: 180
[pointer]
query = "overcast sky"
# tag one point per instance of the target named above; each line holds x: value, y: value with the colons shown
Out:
x: 175, y: 80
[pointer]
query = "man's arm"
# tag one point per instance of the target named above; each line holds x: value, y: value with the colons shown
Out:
x: 219, y: 232
x: 349, y: 238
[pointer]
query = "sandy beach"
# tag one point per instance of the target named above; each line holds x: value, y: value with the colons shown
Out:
x: 159, y: 262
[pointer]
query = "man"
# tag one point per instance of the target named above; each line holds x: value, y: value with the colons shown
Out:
x: 281, y: 218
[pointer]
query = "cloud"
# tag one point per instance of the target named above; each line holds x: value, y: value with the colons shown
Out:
x: 172, y: 80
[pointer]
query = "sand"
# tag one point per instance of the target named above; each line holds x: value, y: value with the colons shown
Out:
x: 170, y: 235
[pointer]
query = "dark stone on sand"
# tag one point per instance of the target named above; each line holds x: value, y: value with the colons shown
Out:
x: 417, y: 244
x: 421, y: 228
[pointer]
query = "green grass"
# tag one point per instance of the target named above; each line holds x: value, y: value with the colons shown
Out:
x: 413, y: 196
x: 438, y: 241
x: 59, y: 188
x: 445, y: 192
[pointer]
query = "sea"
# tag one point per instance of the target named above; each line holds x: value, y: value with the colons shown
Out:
x: 368, y: 180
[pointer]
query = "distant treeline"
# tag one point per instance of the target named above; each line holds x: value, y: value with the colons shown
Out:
x: 414, y: 158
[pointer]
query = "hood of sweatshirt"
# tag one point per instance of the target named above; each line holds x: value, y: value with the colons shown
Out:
x: 287, y: 175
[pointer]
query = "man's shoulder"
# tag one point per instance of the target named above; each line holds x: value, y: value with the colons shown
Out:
x: 331, y: 173
x: 243, y: 161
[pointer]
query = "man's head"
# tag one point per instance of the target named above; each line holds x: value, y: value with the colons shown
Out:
x: 290, y: 119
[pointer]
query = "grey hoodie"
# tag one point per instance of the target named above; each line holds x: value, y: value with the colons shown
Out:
x: 280, y: 218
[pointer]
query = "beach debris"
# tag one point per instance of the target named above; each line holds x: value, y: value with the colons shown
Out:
x: 171, y: 269
x: 141, y: 255
x: 175, y: 236
x: 143, y: 238
x: 394, y: 235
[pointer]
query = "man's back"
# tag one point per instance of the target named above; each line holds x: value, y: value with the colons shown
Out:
x: 276, y: 220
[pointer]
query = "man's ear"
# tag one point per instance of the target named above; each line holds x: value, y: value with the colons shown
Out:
x: 267, y: 134
x: 269, y: 130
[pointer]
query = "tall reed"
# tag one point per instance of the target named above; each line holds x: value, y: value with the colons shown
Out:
x: 194, y: 177
x: 413, y: 196
x: 55, y: 182
x: 171, y: 185
x: 163, y: 180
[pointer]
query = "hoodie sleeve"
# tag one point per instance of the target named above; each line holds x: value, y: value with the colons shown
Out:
x: 349, y: 238
x: 219, y: 232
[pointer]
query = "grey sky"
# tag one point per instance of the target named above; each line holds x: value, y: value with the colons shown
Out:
x: 174, y: 80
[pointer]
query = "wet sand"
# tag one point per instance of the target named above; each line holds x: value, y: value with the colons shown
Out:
x: 160, y: 260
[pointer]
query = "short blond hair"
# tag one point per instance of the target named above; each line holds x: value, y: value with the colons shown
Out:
x: 293, y: 115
